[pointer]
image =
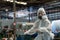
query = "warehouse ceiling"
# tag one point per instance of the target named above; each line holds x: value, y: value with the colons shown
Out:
x: 9, y: 5
x: 31, y: 1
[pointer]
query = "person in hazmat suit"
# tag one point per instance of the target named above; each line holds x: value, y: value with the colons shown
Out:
x: 42, y: 26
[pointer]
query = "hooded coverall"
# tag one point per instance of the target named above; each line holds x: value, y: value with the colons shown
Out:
x: 44, y: 27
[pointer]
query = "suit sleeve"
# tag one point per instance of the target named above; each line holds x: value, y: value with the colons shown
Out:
x: 32, y: 30
x: 48, y: 23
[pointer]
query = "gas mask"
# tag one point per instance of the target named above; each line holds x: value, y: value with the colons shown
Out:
x: 41, y: 13
x: 42, y: 17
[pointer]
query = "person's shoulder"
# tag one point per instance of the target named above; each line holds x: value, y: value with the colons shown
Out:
x: 36, y: 21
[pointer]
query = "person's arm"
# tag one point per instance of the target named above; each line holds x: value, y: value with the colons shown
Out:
x: 48, y: 23
x: 49, y: 29
x: 45, y: 28
x: 32, y: 30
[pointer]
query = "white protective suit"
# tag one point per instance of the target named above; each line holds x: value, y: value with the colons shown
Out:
x: 43, y: 26
x: 56, y: 26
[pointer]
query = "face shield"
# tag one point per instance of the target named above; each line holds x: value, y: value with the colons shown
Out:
x: 41, y: 13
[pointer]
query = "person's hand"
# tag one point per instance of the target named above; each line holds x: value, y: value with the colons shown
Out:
x: 37, y: 30
x: 25, y: 33
x: 52, y: 35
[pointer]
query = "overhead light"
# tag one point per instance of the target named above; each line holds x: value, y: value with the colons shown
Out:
x: 23, y: 3
x: 9, y: 0
x: 6, y: 9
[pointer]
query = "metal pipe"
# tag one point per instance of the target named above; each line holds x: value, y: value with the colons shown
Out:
x: 14, y: 9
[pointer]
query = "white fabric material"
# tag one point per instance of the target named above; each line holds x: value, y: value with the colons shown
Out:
x: 11, y: 38
x: 44, y: 17
x: 43, y: 26
x: 56, y: 26
x: 41, y: 9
